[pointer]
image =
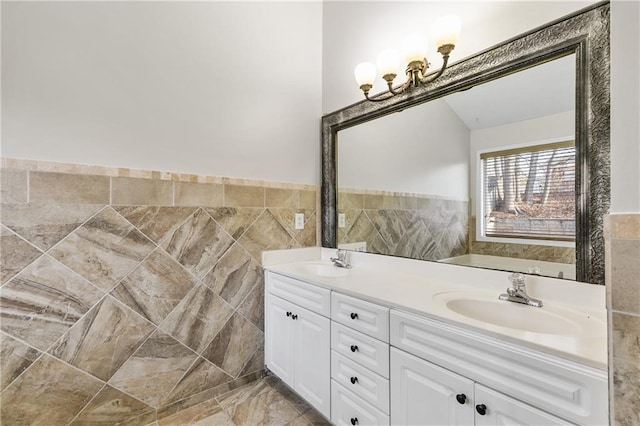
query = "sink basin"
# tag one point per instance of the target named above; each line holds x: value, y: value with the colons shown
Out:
x: 545, y: 320
x: 323, y: 269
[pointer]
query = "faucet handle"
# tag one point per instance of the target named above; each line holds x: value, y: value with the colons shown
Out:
x: 342, y: 255
x: 517, y: 280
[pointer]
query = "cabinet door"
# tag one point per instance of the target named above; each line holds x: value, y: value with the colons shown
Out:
x: 425, y: 394
x: 503, y: 410
x: 279, y: 338
x: 312, y: 356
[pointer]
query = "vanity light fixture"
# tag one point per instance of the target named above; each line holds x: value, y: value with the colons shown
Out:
x: 445, y: 35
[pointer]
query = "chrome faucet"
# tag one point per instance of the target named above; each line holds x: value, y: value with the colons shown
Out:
x: 517, y: 293
x: 341, y: 260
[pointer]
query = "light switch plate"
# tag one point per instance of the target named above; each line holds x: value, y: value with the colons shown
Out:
x: 299, y: 222
x: 341, y: 220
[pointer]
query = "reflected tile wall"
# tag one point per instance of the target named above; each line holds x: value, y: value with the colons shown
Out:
x: 132, y: 311
x: 408, y: 225
x: 622, y: 276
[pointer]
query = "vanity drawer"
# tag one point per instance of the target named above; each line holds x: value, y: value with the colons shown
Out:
x: 363, y: 349
x: 311, y: 297
x: 567, y: 389
x: 366, y: 317
x: 361, y: 381
x: 348, y: 409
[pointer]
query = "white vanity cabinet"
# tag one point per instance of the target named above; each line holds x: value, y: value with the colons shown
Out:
x: 431, y: 359
x: 359, y: 361
x: 297, y: 338
x: 424, y: 394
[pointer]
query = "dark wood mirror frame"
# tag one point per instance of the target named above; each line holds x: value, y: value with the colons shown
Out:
x: 585, y: 33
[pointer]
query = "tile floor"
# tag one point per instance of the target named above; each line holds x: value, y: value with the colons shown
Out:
x: 264, y: 402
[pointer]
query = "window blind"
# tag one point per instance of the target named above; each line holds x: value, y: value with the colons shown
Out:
x: 530, y: 192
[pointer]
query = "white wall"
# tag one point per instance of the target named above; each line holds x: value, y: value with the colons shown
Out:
x: 423, y: 150
x: 355, y: 32
x: 552, y: 128
x: 625, y: 106
x: 217, y: 88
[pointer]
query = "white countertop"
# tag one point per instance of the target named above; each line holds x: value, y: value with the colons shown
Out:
x: 425, y: 288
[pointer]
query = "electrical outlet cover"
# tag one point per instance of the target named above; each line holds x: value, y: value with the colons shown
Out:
x: 299, y: 222
x: 342, y: 220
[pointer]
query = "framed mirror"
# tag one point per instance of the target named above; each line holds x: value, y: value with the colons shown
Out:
x: 502, y: 163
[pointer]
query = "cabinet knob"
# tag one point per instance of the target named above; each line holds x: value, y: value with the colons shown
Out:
x: 354, y: 348
x: 354, y: 315
x: 354, y: 380
x: 462, y: 398
x: 294, y: 316
x: 481, y: 409
x: 354, y: 421
x: 288, y: 314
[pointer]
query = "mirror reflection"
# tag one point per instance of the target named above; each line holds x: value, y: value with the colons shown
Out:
x: 483, y: 177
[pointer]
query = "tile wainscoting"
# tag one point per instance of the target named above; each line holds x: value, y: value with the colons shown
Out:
x: 622, y: 275
x: 128, y: 296
x: 401, y: 224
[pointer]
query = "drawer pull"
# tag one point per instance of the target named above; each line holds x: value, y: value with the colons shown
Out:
x: 353, y: 380
x: 481, y: 409
x: 354, y: 315
x: 354, y: 348
x: 294, y: 316
x: 462, y: 398
x: 354, y: 421
x: 288, y: 313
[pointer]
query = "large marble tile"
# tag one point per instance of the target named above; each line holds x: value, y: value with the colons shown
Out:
x: 43, y: 301
x: 208, y: 413
x: 265, y: 234
x: 154, y: 369
x: 198, y: 318
x: 252, y: 307
x: 234, y: 345
x: 626, y: 367
x: 16, y: 254
x: 202, y: 375
x: 112, y: 407
x: 206, y: 396
x: 47, y: 393
x: 68, y: 188
x: 235, y: 220
x: 388, y: 225
x: 625, y: 275
x: 104, y: 249
x: 243, y: 196
x: 155, y: 222
x: 145, y: 192
x: 243, y: 393
x: 155, y: 287
x: 307, y: 200
x: 198, y: 244
x: 198, y: 194
x: 103, y: 339
x: 255, y: 363
x: 286, y: 218
x: 44, y: 225
x: 234, y: 275
x: 417, y: 243
x: 307, y: 237
x: 362, y: 229
x: 15, y: 357
x: 267, y: 407
x: 281, y: 197
x: 13, y: 186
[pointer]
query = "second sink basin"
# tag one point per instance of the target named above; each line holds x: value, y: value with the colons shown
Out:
x: 548, y: 319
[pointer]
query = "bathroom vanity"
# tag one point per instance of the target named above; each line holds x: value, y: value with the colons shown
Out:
x: 398, y: 341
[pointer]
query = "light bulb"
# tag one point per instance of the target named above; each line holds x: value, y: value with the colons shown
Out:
x: 446, y: 30
x: 415, y: 48
x: 365, y: 73
x: 388, y: 63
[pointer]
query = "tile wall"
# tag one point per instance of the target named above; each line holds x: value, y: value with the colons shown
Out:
x: 622, y: 258
x: 519, y: 251
x: 409, y: 225
x: 130, y: 295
